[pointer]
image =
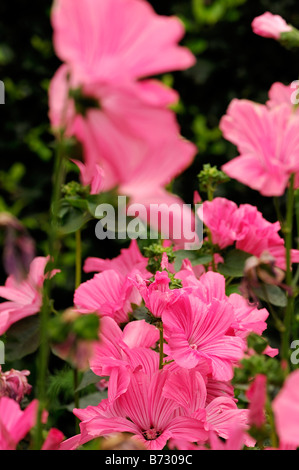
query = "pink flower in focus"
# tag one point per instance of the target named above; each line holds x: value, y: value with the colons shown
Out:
x: 153, y: 410
x: 15, y: 423
x: 118, y: 353
x: 257, y: 396
x: 267, y: 140
x: 286, y: 411
x: 14, y: 384
x: 270, y: 26
x: 23, y: 298
x: 195, y: 331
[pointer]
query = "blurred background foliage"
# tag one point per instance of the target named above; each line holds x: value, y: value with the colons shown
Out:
x: 232, y: 62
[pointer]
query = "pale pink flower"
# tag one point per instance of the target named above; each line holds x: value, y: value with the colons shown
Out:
x: 93, y: 176
x: 257, y: 396
x: 281, y: 94
x: 15, y: 423
x: 14, y: 384
x: 267, y: 141
x: 153, y: 410
x: 270, y: 26
x: 120, y: 40
x: 286, y: 411
x: 195, y: 331
x: 23, y: 298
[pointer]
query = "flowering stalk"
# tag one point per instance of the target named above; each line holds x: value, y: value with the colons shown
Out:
x: 288, y: 241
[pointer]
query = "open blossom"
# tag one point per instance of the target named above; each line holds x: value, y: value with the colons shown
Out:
x: 245, y: 227
x: 196, y: 331
x: 23, y: 298
x: 120, y: 40
x: 152, y: 409
x: 15, y: 423
x: 14, y: 384
x: 270, y: 26
x: 267, y: 141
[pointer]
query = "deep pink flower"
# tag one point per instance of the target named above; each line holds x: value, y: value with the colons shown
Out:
x: 195, y: 331
x: 53, y: 440
x: 286, y: 411
x: 153, y: 410
x: 270, y: 26
x: 14, y: 384
x: 248, y: 318
x: 257, y: 396
x: 23, y: 298
x: 267, y: 141
x: 15, y: 423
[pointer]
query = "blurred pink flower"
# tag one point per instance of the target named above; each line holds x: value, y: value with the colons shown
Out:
x: 286, y: 411
x: 270, y: 26
x: 15, y: 423
x: 120, y: 40
x: 53, y: 440
x: 14, y: 384
x: 23, y: 298
x: 267, y: 140
x: 257, y: 396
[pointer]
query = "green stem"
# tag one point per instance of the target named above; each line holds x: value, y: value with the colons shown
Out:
x: 288, y: 243
x: 161, y: 347
x: 46, y: 309
x: 78, y: 270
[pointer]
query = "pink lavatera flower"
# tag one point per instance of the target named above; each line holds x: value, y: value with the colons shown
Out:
x: 248, y: 318
x: 15, y: 423
x: 151, y: 410
x: 286, y: 411
x: 23, y: 298
x: 235, y: 441
x: 246, y: 228
x: 118, y: 353
x: 53, y: 440
x: 120, y: 40
x: 195, y: 330
x: 106, y: 294
x: 282, y: 94
x: 267, y: 141
x: 257, y: 396
x: 270, y: 26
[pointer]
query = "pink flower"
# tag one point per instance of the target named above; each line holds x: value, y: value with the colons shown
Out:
x: 246, y: 227
x: 120, y: 40
x: 270, y: 26
x: 257, y: 395
x: 153, y: 410
x: 14, y: 384
x: 23, y: 298
x: 118, y: 353
x: 248, y: 318
x: 286, y: 411
x: 157, y: 295
x: 15, y: 423
x: 267, y: 140
x: 281, y: 94
x: 53, y: 440
x: 195, y: 331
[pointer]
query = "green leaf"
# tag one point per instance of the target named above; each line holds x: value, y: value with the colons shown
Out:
x: 234, y: 263
x: 22, y: 339
x: 273, y: 294
x: 93, y: 399
x: 193, y: 256
x: 89, y: 378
